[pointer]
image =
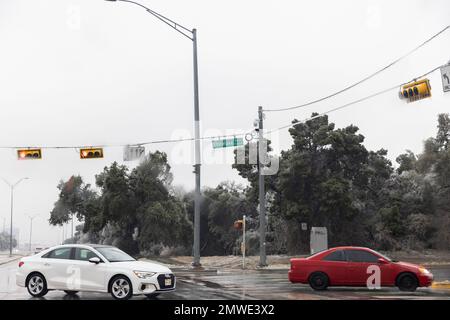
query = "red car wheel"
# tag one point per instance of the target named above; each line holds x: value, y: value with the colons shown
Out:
x: 407, y: 282
x: 318, y: 281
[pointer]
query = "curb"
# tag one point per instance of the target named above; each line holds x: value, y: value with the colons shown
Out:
x: 193, y: 270
x: 10, y: 260
x: 441, y: 285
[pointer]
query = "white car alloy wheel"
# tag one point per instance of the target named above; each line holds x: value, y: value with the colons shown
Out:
x: 37, y: 286
x: 121, y: 288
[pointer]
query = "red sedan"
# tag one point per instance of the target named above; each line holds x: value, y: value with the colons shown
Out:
x: 356, y: 266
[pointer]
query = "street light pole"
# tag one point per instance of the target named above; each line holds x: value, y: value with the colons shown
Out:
x: 196, y: 262
x: 192, y: 35
x: 11, y: 222
x: 12, y: 186
x: 31, y: 228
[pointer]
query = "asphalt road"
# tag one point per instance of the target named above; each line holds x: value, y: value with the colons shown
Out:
x: 241, y: 285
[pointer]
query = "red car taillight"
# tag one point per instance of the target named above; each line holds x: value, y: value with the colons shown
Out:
x: 21, y: 263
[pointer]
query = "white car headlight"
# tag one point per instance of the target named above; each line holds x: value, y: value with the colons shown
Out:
x: 144, y: 274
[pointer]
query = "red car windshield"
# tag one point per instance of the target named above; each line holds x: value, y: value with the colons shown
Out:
x: 383, y: 256
x: 316, y: 254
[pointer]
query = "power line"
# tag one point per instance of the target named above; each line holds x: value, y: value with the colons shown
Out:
x: 221, y: 136
x: 351, y: 103
x: 364, y: 79
x: 125, y: 145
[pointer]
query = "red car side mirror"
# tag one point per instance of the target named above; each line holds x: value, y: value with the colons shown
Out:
x: 382, y: 261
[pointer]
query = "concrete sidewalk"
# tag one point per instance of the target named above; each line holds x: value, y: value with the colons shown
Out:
x: 5, y: 258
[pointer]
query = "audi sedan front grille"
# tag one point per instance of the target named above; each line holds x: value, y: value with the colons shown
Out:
x: 162, y: 281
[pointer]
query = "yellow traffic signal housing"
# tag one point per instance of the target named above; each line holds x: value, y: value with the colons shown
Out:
x: 416, y: 90
x: 238, y: 224
x: 29, y: 154
x: 91, y: 153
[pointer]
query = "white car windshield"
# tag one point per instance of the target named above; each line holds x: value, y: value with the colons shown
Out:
x: 114, y: 255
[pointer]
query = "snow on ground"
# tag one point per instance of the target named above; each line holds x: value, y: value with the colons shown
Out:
x: 429, y: 257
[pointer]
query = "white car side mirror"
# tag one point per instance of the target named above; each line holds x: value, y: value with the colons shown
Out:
x: 95, y: 260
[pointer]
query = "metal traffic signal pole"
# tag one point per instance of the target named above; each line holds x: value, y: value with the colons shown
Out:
x: 262, y: 194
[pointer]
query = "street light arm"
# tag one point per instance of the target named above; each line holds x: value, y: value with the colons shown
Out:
x: 15, y: 184
x: 19, y: 181
x: 33, y: 216
x: 7, y: 182
x: 174, y: 25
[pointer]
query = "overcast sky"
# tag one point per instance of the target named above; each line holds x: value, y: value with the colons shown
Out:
x: 90, y: 72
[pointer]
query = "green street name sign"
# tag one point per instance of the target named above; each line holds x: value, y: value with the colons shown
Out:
x: 224, y: 143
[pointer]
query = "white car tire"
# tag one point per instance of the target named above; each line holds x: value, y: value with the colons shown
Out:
x: 36, y: 285
x: 121, y: 288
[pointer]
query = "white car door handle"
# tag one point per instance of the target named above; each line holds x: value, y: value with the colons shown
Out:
x: 47, y: 264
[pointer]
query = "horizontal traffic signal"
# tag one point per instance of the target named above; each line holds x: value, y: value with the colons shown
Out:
x: 29, y: 154
x: 416, y: 90
x: 91, y: 153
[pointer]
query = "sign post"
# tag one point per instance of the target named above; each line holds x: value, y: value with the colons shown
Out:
x: 243, y: 242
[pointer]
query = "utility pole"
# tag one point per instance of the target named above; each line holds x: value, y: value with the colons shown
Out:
x: 262, y: 193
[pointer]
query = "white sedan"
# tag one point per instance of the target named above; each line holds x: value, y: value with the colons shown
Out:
x: 97, y: 268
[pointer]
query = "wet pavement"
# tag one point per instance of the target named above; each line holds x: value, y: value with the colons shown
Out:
x: 238, y: 285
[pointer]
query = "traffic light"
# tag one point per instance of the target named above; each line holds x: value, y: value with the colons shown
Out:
x: 29, y: 154
x: 416, y: 90
x: 238, y: 224
x: 91, y: 153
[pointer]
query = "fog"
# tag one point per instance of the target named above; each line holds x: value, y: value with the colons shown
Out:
x: 86, y: 73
